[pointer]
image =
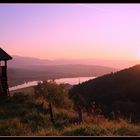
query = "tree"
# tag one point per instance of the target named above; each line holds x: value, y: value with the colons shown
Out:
x: 79, y: 104
x: 55, y: 94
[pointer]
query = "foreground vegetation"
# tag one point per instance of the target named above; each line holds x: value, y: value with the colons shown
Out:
x: 23, y: 116
x: 29, y: 115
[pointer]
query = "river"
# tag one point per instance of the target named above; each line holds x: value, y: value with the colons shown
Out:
x: 71, y: 81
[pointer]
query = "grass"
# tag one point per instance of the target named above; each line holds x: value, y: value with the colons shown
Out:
x: 108, y: 128
x: 22, y: 115
x: 26, y: 91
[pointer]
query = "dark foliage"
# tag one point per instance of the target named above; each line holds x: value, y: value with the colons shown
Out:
x: 115, y: 93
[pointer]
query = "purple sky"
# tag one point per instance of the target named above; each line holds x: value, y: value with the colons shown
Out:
x: 51, y: 31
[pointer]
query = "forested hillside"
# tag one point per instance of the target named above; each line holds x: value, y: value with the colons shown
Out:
x: 115, y: 93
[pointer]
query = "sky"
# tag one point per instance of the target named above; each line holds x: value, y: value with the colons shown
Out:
x: 71, y: 31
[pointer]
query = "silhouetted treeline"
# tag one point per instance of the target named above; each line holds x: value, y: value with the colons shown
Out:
x: 116, y: 94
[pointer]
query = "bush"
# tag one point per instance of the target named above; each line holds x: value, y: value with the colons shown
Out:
x: 56, y: 94
x: 13, y: 127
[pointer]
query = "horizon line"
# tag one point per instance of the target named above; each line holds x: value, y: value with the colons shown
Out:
x: 76, y: 58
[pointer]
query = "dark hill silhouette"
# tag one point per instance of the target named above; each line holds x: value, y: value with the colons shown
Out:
x: 117, y: 92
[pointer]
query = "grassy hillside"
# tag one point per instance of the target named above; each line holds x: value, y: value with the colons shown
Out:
x: 109, y: 106
x: 23, y: 115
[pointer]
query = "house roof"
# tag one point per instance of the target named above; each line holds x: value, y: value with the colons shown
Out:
x: 4, y: 55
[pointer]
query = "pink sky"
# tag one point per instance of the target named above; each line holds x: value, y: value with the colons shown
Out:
x: 71, y: 31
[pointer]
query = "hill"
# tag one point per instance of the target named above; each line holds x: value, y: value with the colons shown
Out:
x: 27, y: 113
x: 20, y: 61
x: 22, y: 115
x: 115, y: 93
x: 20, y: 74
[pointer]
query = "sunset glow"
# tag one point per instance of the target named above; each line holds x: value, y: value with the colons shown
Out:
x: 71, y: 31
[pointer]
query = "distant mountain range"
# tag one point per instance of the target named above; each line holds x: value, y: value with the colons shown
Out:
x: 23, y: 69
x: 19, y: 61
